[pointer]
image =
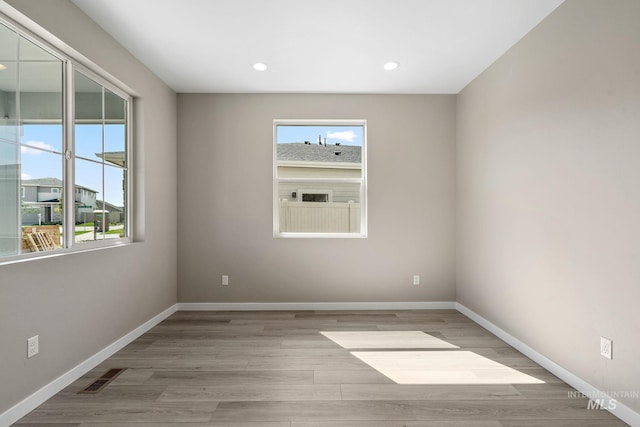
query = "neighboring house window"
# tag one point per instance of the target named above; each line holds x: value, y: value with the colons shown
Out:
x: 320, y: 178
x: 315, y: 195
x: 41, y: 148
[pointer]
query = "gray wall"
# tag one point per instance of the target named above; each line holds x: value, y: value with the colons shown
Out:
x: 548, y: 161
x: 225, y: 164
x: 76, y: 306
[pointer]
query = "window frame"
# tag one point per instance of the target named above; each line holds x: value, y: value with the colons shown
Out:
x: 303, y: 181
x: 71, y: 64
x: 108, y: 85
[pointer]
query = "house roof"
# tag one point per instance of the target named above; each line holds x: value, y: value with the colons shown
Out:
x: 108, y: 206
x: 299, y: 151
x: 43, y: 182
x: 49, y: 182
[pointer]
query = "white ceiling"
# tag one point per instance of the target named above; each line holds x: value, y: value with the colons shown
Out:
x: 318, y: 46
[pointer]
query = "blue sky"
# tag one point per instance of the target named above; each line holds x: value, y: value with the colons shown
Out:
x: 345, y: 135
x: 44, y: 164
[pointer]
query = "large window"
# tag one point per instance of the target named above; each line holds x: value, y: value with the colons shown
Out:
x: 320, y: 178
x: 63, y: 151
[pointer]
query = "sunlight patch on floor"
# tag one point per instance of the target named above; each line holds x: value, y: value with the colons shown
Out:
x: 386, y: 339
x: 442, y: 367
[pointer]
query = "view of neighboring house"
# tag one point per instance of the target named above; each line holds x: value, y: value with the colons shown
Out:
x: 116, y: 213
x: 41, y: 201
x: 306, y: 160
x: 319, y: 187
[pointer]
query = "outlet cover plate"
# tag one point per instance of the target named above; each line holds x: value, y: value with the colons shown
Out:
x: 606, y: 347
x: 32, y: 346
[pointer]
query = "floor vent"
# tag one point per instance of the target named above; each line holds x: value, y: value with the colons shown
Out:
x: 100, y: 383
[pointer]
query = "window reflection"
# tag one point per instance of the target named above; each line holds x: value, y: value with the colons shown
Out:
x: 31, y: 190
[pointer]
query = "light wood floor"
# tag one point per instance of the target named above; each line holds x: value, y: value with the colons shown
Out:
x: 277, y: 369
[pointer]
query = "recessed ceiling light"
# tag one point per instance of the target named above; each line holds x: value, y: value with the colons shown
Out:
x: 391, y: 65
x: 3, y: 67
x: 260, y: 66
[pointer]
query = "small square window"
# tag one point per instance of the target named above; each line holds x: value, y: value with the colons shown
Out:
x: 319, y: 178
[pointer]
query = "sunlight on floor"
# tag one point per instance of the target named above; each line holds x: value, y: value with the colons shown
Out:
x: 386, y: 339
x: 444, y: 364
x: 442, y: 367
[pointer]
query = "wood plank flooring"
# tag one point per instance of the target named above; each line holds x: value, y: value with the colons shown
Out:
x: 278, y: 369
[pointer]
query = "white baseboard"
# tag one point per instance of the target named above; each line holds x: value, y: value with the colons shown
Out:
x: 302, y: 306
x: 27, y: 405
x: 620, y: 410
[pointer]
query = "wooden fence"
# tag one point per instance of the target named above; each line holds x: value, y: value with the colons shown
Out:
x: 319, y: 217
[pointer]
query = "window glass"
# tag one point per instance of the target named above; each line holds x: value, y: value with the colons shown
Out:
x: 37, y: 153
x: 9, y: 209
x: 100, y: 162
x: 115, y: 138
x: 9, y: 145
x: 88, y: 118
x: 39, y: 96
x: 319, y: 175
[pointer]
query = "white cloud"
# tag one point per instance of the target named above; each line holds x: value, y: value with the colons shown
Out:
x: 25, y: 176
x: 38, y: 144
x: 347, y: 135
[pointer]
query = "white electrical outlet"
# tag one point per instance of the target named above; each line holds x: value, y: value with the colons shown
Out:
x: 606, y: 347
x: 416, y: 279
x: 32, y: 347
x: 225, y: 280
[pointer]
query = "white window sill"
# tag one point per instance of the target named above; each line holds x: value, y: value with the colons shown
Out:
x: 85, y: 247
x: 320, y: 235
